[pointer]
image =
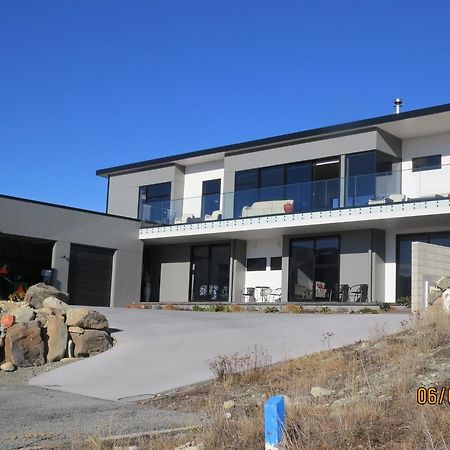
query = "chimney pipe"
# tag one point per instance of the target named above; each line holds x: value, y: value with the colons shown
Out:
x: 398, y: 105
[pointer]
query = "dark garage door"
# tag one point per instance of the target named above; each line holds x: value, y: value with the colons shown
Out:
x: 90, y: 271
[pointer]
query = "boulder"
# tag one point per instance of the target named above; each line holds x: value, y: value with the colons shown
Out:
x: 446, y: 301
x: 229, y: 404
x: 90, y: 342
x: 55, y: 304
x: 77, y: 330
x: 8, y: 367
x: 86, y: 318
x: 433, y: 295
x: 37, y: 293
x: 443, y: 283
x: 319, y: 391
x: 24, y: 346
x: 23, y: 314
x: 44, y: 314
x: 56, y: 339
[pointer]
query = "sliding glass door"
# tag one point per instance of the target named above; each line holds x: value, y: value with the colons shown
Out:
x: 314, y: 269
x: 210, y: 273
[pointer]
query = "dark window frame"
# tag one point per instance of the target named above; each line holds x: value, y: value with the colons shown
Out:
x: 256, y: 261
x: 276, y: 261
x: 421, y: 163
x: 427, y: 236
x: 206, y: 195
x: 143, y: 190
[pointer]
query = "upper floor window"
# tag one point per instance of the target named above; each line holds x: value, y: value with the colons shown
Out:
x: 256, y: 264
x: 154, y: 203
x: 426, y: 163
x: 210, y: 197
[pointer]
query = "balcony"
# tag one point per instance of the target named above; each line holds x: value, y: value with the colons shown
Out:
x: 324, y: 195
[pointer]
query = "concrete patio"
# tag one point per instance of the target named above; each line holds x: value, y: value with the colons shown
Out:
x: 158, y: 350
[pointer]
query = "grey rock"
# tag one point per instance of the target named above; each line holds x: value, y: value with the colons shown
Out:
x: 56, y: 303
x: 86, y: 318
x: 37, y: 293
x: 24, y: 346
x: 24, y: 314
x: 8, y: 367
x: 320, y: 391
x: 77, y: 330
x: 44, y: 314
x: 56, y: 339
x: 229, y: 404
x: 443, y: 283
x: 434, y: 294
x: 90, y: 342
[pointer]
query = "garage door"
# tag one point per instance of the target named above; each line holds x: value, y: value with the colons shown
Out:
x: 90, y: 271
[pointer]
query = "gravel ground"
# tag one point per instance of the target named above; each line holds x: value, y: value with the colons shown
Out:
x: 34, y: 416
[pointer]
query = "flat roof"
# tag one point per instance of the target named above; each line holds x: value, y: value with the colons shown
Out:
x: 70, y: 208
x: 284, y: 138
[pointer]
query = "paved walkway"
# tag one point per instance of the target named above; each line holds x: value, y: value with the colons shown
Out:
x: 158, y: 350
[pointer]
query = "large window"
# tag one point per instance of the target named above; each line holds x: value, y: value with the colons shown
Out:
x: 404, y: 256
x: 154, y: 203
x: 210, y: 196
x: 314, y: 269
x: 369, y: 176
x: 426, y: 163
x: 210, y: 273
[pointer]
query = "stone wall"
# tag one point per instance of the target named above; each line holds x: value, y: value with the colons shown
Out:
x: 429, y: 263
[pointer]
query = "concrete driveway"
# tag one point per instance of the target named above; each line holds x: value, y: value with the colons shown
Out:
x: 157, y: 350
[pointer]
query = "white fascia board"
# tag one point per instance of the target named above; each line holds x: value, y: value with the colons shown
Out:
x: 286, y: 221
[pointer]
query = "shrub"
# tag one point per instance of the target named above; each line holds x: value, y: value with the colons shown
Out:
x: 404, y: 301
x: 239, y: 365
x: 271, y: 309
x: 368, y: 311
x: 324, y: 310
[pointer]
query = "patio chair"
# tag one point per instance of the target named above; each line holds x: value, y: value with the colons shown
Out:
x: 359, y: 292
x: 275, y: 295
x: 248, y: 294
x: 340, y: 293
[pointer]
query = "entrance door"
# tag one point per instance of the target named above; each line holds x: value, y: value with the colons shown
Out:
x: 210, y: 273
x: 313, y: 269
x: 90, y: 270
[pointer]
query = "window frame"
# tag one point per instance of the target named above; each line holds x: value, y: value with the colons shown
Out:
x: 256, y: 261
x: 426, y: 167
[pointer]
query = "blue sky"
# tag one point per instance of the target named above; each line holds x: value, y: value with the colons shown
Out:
x: 90, y: 84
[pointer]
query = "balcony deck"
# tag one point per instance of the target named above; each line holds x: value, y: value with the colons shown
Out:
x: 417, y: 212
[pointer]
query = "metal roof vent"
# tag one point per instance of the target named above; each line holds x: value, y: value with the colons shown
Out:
x: 398, y: 105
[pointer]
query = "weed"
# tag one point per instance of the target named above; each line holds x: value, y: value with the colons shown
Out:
x: 367, y: 310
x: 324, y: 310
x: 271, y: 309
x: 404, y: 301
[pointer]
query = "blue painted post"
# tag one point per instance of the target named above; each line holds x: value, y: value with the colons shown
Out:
x: 274, y: 422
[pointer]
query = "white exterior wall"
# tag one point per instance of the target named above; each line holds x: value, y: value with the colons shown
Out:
x: 428, y: 182
x: 194, y: 176
x: 264, y: 249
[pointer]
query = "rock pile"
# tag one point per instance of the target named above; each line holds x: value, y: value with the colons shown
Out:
x: 44, y: 328
x: 440, y: 294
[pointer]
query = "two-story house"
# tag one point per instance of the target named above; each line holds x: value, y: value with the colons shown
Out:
x: 324, y: 215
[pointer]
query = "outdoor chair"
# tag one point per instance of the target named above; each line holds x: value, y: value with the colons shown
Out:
x: 275, y: 295
x: 340, y: 293
x: 359, y: 292
x: 248, y: 294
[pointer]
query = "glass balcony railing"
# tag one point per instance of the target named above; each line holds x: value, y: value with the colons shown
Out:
x: 361, y: 190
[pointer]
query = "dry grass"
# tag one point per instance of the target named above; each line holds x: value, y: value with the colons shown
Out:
x: 373, y: 405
